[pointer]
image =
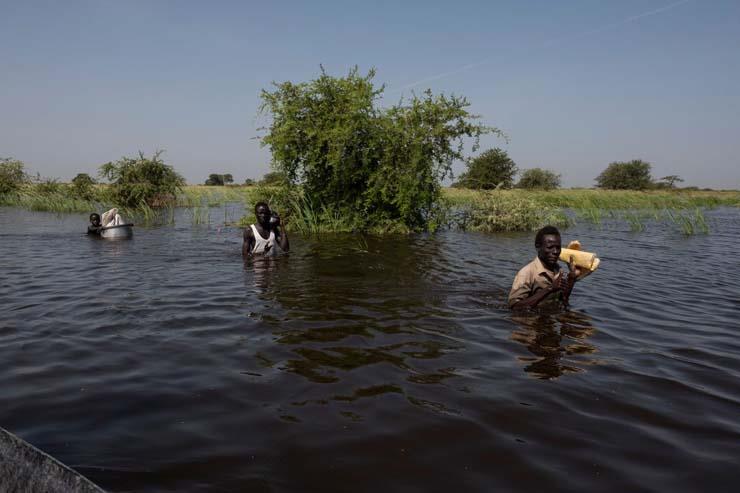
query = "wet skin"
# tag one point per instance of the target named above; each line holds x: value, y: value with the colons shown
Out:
x: 94, y: 224
x: 548, y: 252
x: 264, y: 227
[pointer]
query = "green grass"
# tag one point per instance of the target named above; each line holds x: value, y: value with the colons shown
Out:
x: 499, y: 210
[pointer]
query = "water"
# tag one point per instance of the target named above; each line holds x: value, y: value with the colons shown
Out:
x: 165, y: 363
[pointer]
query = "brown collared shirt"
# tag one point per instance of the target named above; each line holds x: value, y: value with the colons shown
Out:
x: 531, y: 278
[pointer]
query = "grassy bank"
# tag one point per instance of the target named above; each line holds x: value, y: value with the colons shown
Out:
x: 489, y: 211
x: 522, y: 210
x: 582, y: 198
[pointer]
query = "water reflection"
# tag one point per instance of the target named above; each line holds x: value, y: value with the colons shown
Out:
x: 262, y: 270
x: 344, y: 311
x: 556, y: 339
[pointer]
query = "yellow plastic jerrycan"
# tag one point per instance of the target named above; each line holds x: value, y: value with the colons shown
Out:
x: 584, y: 260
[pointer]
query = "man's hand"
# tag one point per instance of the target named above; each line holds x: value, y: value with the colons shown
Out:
x: 559, y: 283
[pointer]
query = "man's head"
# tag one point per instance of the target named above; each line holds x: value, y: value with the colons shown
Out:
x: 95, y: 219
x: 262, y: 211
x: 547, y: 243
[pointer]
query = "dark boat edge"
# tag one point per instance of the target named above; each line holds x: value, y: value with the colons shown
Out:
x: 25, y: 468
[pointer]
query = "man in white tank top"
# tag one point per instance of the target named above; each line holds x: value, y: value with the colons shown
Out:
x: 266, y: 237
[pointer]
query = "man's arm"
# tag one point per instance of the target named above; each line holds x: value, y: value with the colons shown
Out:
x: 282, y: 238
x: 558, y: 284
x: 249, y: 242
x: 574, y: 275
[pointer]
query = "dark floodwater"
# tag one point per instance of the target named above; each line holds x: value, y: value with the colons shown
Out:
x: 165, y: 364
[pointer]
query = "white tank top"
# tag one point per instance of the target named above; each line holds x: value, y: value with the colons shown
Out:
x: 260, y: 243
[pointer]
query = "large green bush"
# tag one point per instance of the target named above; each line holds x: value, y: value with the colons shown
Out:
x: 631, y: 175
x: 83, y: 186
x: 492, y: 169
x: 539, y: 179
x: 142, y: 181
x: 12, y: 175
x: 374, y: 166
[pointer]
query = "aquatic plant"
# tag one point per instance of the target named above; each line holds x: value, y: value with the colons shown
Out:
x: 691, y: 223
x: 142, y: 180
x: 493, y: 211
x: 200, y: 214
x: 12, y: 176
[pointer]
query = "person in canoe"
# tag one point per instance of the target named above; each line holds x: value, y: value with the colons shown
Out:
x: 267, y: 236
x: 541, y: 279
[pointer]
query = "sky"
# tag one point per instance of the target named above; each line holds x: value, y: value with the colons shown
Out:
x: 574, y: 84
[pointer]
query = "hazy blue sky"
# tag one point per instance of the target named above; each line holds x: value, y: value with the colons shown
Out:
x: 575, y: 84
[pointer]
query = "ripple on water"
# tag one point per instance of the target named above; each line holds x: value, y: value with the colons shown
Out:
x: 165, y: 363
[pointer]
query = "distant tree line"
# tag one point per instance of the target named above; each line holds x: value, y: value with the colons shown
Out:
x: 219, y: 180
x: 494, y: 169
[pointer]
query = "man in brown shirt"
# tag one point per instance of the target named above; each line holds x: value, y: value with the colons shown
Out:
x: 542, y: 278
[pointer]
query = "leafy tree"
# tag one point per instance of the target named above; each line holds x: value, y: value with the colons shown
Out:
x: 273, y: 178
x: 215, y: 180
x: 12, y: 175
x: 219, y: 180
x: 141, y: 180
x: 538, y: 178
x: 492, y: 169
x: 83, y: 186
x: 371, y: 165
x: 249, y: 182
x: 632, y: 175
x: 670, y: 181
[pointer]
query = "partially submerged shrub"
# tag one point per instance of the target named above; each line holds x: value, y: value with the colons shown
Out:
x: 12, y: 175
x: 501, y: 211
x: 370, y: 165
x: 83, y: 186
x: 141, y: 180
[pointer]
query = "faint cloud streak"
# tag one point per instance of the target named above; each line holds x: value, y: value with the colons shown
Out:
x: 546, y: 43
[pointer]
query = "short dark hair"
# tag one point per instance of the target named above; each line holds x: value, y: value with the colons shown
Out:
x: 260, y: 204
x: 94, y: 215
x: 547, y: 230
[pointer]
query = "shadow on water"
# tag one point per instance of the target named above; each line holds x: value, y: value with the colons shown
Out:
x: 557, y: 341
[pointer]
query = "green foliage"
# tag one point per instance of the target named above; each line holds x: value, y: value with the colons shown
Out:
x: 83, y: 186
x: 47, y: 186
x: 500, y: 211
x: 274, y: 179
x: 249, y: 182
x: 492, y: 169
x: 373, y: 166
x: 668, y: 181
x: 539, y: 179
x: 632, y: 175
x: 12, y: 175
x: 219, y: 180
x: 136, y: 181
